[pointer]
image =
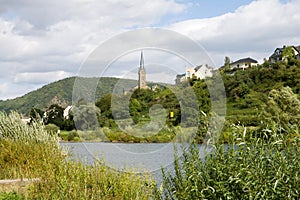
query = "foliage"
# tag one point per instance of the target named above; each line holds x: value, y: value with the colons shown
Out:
x: 52, y: 129
x: 36, y: 114
x: 247, y: 90
x: 86, y: 117
x: 247, y: 169
x: 12, y: 127
x: 73, y: 136
x: 283, y: 107
x: 62, y: 89
x: 227, y: 63
x: 80, y: 181
x: 27, y: 153
x: 11, y: 196
x: 54, y: 115
x: 288, y: 53
x: 24, y: 149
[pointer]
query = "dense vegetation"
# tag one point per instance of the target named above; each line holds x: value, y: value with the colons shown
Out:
x: 249, y: 168
x: 257, y: 156
x: 256, y: 97
x: 59, y: 92
x: 28, y: 151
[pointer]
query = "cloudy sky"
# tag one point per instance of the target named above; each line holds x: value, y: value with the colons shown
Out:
x: 44, y: 41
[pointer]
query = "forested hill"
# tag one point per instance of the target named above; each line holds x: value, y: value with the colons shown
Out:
x: 252, y: 90
x: 247, y: 90
x: 59, y: 92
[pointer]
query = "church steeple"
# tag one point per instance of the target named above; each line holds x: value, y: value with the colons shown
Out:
x: 142, y: 74
x: 142, y: 61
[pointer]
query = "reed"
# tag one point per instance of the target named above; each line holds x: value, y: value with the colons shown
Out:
x: 247, y: 168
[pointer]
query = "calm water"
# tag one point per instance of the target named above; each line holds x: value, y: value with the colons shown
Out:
x: 138, y: 157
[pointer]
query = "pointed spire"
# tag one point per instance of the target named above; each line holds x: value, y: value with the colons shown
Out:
x: 142, y: 61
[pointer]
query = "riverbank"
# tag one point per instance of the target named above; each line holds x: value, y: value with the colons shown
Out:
x: 264, y: 167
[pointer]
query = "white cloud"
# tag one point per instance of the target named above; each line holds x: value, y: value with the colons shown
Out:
x: 40, y: 38
x: 42, y: 41
x: 252, y: 30
x: 40, y: 78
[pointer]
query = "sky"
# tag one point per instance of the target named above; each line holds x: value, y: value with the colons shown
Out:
x: 45, y: 41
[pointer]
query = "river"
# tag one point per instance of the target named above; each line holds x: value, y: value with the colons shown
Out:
x: 136, y: 157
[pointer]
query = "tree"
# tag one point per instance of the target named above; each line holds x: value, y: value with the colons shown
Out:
x: 54, y: 115
x: 36, y: 114
x: 86, y: 117
x: 288, y: 54
x: 283, y: 107
x: 227, y: 63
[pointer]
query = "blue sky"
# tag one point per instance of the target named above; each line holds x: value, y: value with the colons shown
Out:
x: 44, y: 41
x: 204, y: 9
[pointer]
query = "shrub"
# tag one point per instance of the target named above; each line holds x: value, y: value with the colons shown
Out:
x: 52, y: 129
x: 73, y: 136
x: 247, y: 169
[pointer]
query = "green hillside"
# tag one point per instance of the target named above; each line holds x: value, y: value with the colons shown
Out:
x: 248, y: 91
x: 60, y: 92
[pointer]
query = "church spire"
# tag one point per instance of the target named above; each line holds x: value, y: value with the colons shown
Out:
x: 142, y: 74
x: 142, y: 61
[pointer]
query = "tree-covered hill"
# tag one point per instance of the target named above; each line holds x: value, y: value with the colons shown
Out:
x: 248, y: 91
x: 59, y: 92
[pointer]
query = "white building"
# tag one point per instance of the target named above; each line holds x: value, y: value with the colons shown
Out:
x: 201, y: 71
x: 243, y: 63
x: 67, y: 112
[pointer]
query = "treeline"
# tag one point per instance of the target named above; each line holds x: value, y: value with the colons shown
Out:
x: 61, y: 91
x: 256, y: 97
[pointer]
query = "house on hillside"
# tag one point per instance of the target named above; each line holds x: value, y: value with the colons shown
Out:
x: 201, y: 71
x: 243, y: 63
x: 277, y: 55
x: 67, y: 112
x: 180, y: 78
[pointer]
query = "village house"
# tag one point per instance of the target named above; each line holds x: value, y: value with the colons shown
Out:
x: 243, y: 63
x: 277, y: 55
x: 201, y: 72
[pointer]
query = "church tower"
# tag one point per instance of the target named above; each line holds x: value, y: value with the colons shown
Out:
x: 142, y: 74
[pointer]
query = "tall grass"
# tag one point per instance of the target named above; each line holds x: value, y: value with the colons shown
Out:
x: 25, y: 150
x: 30, y: 151
x: 247, y: 168
x: 12, y: 128
x: 75, y: 180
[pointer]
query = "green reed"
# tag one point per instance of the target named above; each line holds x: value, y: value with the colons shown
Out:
x: 246, y: 168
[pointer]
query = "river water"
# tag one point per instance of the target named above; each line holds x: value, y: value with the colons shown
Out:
x: 136, y: 157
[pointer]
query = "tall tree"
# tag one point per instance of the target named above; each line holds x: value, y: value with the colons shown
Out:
x: 288, y: 53
x: 227, y: 63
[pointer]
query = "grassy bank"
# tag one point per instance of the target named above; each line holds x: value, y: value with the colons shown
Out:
x: 30, y: 152
x: 248, y: 167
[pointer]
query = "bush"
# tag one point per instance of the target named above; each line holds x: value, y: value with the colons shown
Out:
x: 73, y: 136
x: 247, y: 169
x: 52, y: 129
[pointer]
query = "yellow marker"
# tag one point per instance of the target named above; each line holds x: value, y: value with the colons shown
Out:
x: 171, y: 114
